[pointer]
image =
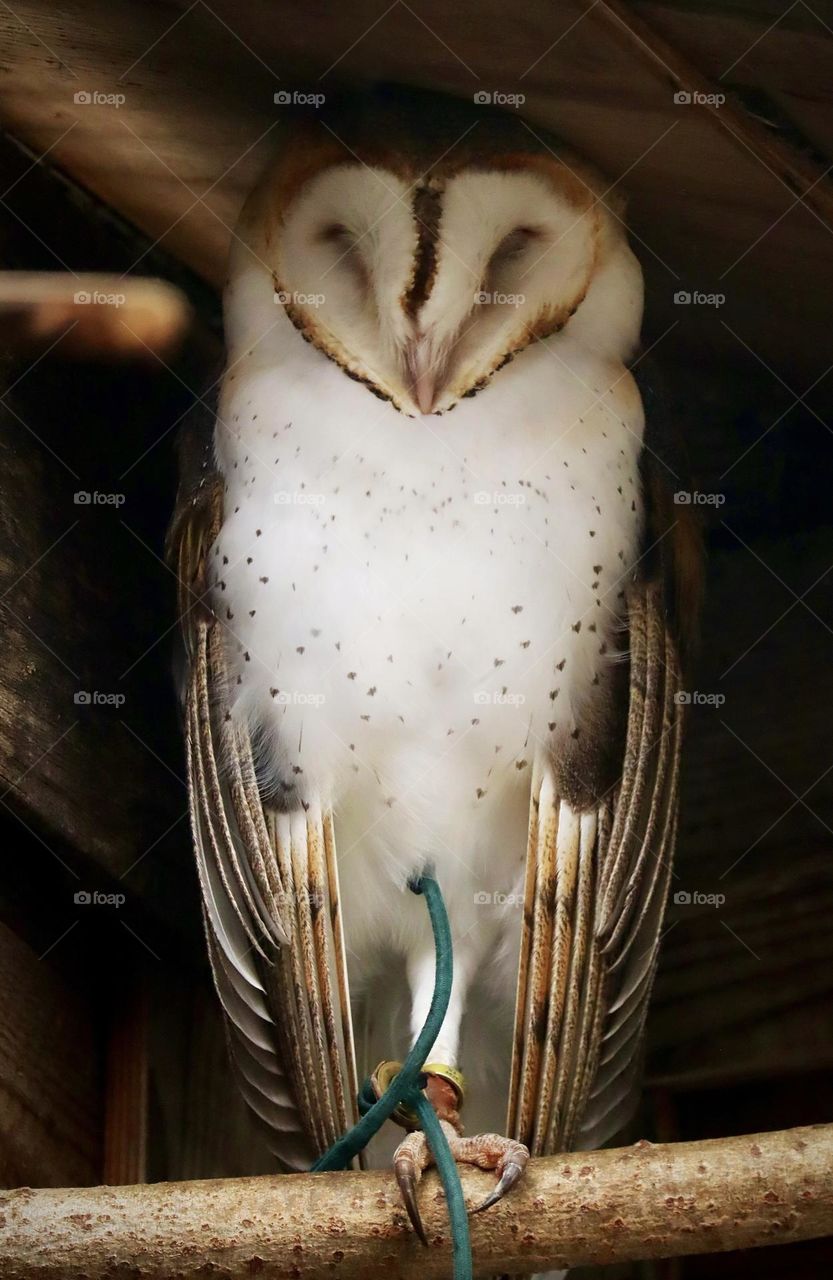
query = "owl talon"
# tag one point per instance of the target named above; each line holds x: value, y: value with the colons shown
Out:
x: 489, y: 1151
x: 512, y: 1172
x: 407, y: 1189
x: 411, y: 1157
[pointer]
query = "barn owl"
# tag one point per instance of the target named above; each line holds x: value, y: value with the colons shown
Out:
x: 446, y: 589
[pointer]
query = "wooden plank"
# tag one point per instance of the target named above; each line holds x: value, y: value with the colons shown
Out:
x: 177, y: 155
x: 87, y: 601
x: 61, y: 732
x: 795, y: 170
x: 126, y: 1118
x: 201, y: 1126
x: 50, y: 1086
x: 746, y: 981
x: 784, y: 57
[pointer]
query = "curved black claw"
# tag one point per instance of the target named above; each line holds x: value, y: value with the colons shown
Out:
x: 405, y: 1171
x: 511, y: 1173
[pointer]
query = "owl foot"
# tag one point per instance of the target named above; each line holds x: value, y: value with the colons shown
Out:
x: 413, y: 1156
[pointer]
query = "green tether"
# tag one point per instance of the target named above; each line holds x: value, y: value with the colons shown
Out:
x: 406, y: 1089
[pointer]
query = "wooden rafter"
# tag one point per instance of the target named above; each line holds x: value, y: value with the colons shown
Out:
x: 800, y: 174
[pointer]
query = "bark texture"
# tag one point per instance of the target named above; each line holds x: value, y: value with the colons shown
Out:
x: 588, y: 1207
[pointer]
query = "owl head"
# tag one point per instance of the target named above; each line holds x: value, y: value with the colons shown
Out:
x: 421, y: 243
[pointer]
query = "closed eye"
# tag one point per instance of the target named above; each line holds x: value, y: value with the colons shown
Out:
x: 346, y: 249
x: 514, y: 245
x: 334, y: 233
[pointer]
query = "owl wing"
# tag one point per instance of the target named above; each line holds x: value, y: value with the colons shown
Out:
x: 268, y: 880
x: 597, y: 881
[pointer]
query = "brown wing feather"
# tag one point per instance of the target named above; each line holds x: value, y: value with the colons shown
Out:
x: 268, y: 883
x: 597, y: 886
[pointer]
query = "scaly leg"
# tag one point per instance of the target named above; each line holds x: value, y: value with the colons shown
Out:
x: 485, y: 1150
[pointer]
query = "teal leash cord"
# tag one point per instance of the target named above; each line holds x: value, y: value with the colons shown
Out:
x: 406, y: 1089
x: 458, y: 1219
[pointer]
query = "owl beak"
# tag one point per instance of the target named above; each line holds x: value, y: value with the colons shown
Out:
x: 422, y: 372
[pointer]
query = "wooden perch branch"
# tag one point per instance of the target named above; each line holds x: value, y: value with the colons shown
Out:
x: 590, y: 1207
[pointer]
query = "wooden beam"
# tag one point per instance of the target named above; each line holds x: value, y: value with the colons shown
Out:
x: 801, y: 175
x: 571, y: 1210
x: 50, y: 1094
x: 126, y: 1125
x: 167, y: 113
